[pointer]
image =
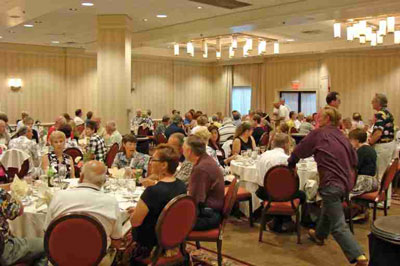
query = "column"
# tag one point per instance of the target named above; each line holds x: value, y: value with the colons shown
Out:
x: 114, y: 69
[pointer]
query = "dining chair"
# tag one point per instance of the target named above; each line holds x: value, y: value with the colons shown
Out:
x: 215, y: 235
x: 75, y: 239
x: 161, y: 138
x: 110, y: 156
x: 382, y: 194
x: 12, y: 171
x: 281, y: 184
x: 264, y: 139
x: 173, y: 226
x: 242, y: 196
x: 293, y: 130
x: 74, y: 153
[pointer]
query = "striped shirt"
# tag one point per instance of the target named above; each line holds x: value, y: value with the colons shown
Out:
x: 226, y: 131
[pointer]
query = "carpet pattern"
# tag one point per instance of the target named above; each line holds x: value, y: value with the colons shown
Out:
x: 207, y: 257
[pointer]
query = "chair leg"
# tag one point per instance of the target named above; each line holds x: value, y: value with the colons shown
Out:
x: 198, y: 245
x: 251, y: 211
x: 350, y: 213
x: 385, y: 207
x: 374, y: 215
x: 262, y: 224
x: 298, y: 229
x: 219, y: 249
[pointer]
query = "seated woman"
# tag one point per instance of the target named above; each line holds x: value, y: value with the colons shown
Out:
x: 243, y: 139
x: 57, y: 156
x: 144, y: 217
x: 214, y: 145
x: 292, y: 120
x: 129, y: 157
x: 366, y: 168
x: 259, y: 129
x: 306, y: 126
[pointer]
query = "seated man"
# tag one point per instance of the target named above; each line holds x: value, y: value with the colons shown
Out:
x: 96, y: 145
x: 17, y: 250
x: 277, y: 156
x: 24, y: 142
x: 88, y: 198
x: 112, y: 134
x: 206, y: 184
x: 175, y: 126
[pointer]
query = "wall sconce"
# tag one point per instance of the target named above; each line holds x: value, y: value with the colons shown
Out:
x: 15, y: 84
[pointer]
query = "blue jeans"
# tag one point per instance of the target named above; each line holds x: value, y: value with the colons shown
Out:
x: 332, y: 221
x: 24, y: 250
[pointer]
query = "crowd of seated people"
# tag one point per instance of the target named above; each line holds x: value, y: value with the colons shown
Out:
x: 193, y: 156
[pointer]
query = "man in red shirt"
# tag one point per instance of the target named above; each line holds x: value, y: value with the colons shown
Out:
x: 57, y: 124
x: 206, y: 184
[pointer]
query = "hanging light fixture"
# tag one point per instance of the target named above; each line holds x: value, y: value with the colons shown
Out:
x: 205, y: 49
x: 379, y: 39
x: 234, y: 43
x: 373, y: 39
x: 276, y: 48
x: 262, y: 47
x: 368, y: 34
x: 249, y: 44
x: 245, y: 50
x: 382, y: 27
x: 176, y: 49
x: 189, y: 48
x: 218, y: 55
x: 362, y: 39
x: 397, y: 37
x: 362, y: 27
x: 350, y: 33
x: 337, y: 30
x: 391, y: 23
x: 231, y: 52
x: 356, y: 31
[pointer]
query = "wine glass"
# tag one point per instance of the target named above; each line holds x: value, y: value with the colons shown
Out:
x: 62, y: 174
x: 131, y: 186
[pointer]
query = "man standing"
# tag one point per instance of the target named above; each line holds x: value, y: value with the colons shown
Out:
x: 19, y: 250
x: 336, y: 160
x: 137, y: 119
x: 206, y: 184
x: 283, y: 111
x: 332, y: 100
x: 78, y: 117
x: 383, y: 133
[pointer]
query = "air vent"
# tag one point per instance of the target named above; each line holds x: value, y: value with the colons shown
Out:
x: 312, y: 32
x: 229, y: 4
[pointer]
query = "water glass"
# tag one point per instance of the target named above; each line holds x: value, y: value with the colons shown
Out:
x: 131, y: 186
x: 62, y: 174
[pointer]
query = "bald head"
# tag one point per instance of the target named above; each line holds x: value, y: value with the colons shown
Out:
x: 60, y: 121
x: 94, y: 172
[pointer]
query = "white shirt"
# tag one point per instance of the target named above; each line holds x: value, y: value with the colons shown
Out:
x: 78, y: 121
x: 197, y: 128
x: 89, y: 199
x: 284, y: 112
x: 268, y: 160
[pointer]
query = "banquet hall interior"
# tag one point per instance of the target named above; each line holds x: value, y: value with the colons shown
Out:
x: 110, y: 111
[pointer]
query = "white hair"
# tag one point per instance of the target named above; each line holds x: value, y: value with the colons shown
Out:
x: 112, y: 124
x: 91, y: 176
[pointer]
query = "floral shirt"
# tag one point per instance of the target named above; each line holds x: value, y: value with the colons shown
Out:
x: 384, y: 121
x: 138, y: 161
x: 9, y: 209
x: 29, y: 146
x: 184, y: 172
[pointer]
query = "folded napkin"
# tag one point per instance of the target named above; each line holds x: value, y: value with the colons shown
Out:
x: 19, y: 188
x: 44, y: 196
x: 13, y: 158
x: 117, y: 173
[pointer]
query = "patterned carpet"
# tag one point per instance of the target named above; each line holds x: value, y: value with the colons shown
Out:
x: 207, y: 257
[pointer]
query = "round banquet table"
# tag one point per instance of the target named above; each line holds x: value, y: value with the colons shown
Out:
x: 31, y: 222
x: 248, y: 175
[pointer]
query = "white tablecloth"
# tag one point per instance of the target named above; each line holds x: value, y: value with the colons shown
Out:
x: 31, y: 223
x: 248, y: 175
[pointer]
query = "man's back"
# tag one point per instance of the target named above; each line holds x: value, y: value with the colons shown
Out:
x: 88, y: 199
x: 173, y: 128
x: 226, y: 131
x: 206, y: 183
x: 268, y: 160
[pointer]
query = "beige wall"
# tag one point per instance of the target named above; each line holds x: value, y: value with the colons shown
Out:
x: 57, y: 80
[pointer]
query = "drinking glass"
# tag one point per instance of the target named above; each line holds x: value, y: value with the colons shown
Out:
x: 62, y: 174
x: 131, y: 187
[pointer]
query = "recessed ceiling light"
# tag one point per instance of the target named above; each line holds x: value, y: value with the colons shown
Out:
x: 55, y: 42
x: 145, y: 19
x: 1, y: 37
x: 15, y: 16
x: 162, y: 16
x: 11, y: 31
x: 28, y: 26
x: 38, y: 22
x: 73, y: 9
x: 87, y: 4
x: 199, y: 7
x: 290, y: 40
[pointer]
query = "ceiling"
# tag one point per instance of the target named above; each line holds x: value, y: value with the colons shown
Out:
x: 73, y: 25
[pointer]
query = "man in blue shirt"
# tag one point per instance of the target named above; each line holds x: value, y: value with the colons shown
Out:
x: 176, y: 126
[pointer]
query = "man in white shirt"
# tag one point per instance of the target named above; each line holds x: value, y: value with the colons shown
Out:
x: 88, y: 198
x: 227, y: 131
x: 25, y: 143
x: 277, y: 156
x: 78, y: 117
x: 112, y: 134
x: 284, y: 111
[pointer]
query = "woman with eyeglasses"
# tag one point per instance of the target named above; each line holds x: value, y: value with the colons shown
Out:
x: 144, y: 217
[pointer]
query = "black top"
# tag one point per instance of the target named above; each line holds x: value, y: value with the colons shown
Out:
x: 366, y: 160
x: 156, y: 197
x: 173, y: 128
x: 35, y: 136
x: 244, y: 146
x: 257, y: 133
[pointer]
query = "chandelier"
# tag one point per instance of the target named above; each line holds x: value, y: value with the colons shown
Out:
x: 372, y: 30
x: 231, y: 43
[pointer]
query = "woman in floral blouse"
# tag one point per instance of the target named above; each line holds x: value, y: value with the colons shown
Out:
x: 129, y: 157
